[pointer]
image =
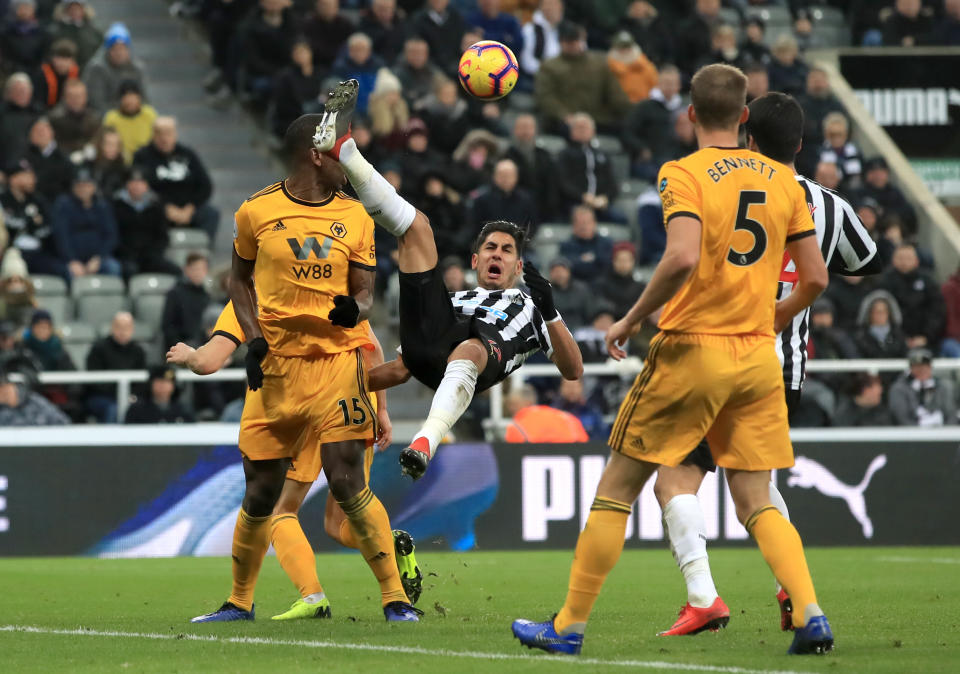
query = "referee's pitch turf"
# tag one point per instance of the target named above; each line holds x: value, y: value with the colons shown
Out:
x: 892, y: 610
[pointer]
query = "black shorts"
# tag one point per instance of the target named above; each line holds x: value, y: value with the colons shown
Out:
x: 701, y: 456
x: 430, y: 329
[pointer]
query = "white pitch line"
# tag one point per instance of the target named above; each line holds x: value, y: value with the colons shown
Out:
x: 916, y: 560
x: 409, y: 650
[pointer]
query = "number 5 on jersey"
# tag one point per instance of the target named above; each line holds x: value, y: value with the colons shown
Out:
x: 747, y: 258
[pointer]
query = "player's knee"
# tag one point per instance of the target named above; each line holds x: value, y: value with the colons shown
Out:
x: 472, y: 350
x: 345, y: 484
x: 260, y: 499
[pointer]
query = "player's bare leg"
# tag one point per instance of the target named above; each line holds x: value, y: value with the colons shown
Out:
x: 467, y: 360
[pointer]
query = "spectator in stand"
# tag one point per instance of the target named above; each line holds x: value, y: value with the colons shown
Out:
x: 870, y: 213
x: 865, y: 405
x: 26, y: 214
x: 635, y: 72
x: 447, y: 115
x: 54, y: 171
x: 442, y: 27
x: 877, y: 185
x: 502, y: 199
x: 827, y: 174
x: 142, y: 228
x: 44, y: 343
x: 723, y: 42
x: 817, y: 102
x: 847, y: 294
x: 683, y: 139
x: 19, y: 406
x: 264, y: 47
x: 590, y: 337
x: 418, y: 76
x: 297, y: 85
x: 946, y: 32
x: 754, y: 47
x: 531, y: 422
x: 788, y: 73
x: 17, y: 300
x: 24, y: 40
x: 649, y: 30
x: 179, y: 178
x: 84, y: 229
x: 116, y: 351
x: 59, y: 68
x: 541, y: 41
x: 160, y: 405
x: 112, y: 66
x: 589, y: 252
x: 108, y: 166
x: 473, y: 160
x: 73, y: 20
x: 75, y: 123
x: 918, y: 398
x: 618, y: 287
x: 361, y: 64
x: 918, y: 296
x: 388, y: 112
x: 16, y: 116
x: 879, y: 333
x: 653, y: 235
x: 536, y: 170
x: 587, y: 174
x: 327, y: 30
x: 454, y: 275
x: 646, y: 134
x: 419, y: 158
x: 497, y: 25
x: 186, y: 301
x: 838, y: 149
x: 222, y: 19
x: 570, y: 399
x: 385, y: 28
x: 693, y: 42
x: 572, y: 297
x: 826, y: 340
x: 132, y: 119
x: 950, y: 346
x: 578, y: 81
x: 758, y: 80
x: 907, y: 26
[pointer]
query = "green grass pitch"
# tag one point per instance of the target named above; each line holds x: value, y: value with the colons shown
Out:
x: 892, y: 610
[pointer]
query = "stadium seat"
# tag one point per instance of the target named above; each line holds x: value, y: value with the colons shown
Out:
x: 190, y: 239
x: 151, y: 284
x: 552, y: 144
x: 633, y: 188
x: 621, y: 167
x: 100, y: 309
x: 521, y: 101
x: 731, y: 17
x: 546, y: 252
x: 97, y: 284
x: 552, y: 232
x: 628, y: 206
x: 75, y: 332
x: 614, y: 231
x: 48, y: 286
x: 78, y: 353
x: 59, y: 306
x: 770, y: 14
x: 148, y: 310
x: 609, y: 144
x: 179, y: 255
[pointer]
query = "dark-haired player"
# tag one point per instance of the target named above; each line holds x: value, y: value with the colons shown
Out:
x: 775, y: 129
x: 457, y: 343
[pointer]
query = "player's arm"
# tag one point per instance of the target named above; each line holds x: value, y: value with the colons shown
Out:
x: 244, y: 296
x: 856, y: 253
x: 387, y: 375
x: 680, y: 257
x: 812, y: 279
x: 371, y: 359
x: 565, y: 353
x: 206, y: 359
x: 348, y: 310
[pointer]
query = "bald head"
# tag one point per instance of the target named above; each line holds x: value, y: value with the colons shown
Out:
x: 165, y: 134
x: 121, y: 327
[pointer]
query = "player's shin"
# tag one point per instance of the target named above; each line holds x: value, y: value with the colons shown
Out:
x: 387, y: 208
x: 374, y: 538
x: 686, y: 529
x: 296, y: 556
x: 598, y: 549
x: 451, y: 400
x: 776, y: 498
x: 782, y: 548
x: 251, y: 538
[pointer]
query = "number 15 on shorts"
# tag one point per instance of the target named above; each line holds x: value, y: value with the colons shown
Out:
x: 359, y: 415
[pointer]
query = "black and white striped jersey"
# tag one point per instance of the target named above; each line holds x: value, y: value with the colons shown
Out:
x: 846, y: 247
x: 511, y: 313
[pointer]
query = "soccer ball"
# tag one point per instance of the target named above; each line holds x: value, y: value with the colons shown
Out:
x: 488, y: 70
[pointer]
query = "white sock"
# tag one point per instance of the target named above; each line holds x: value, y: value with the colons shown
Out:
x: 450, y: 401
x: 687, y: 531
x: 776, y: 498
x: 314, y: 598
x: 387, y: 208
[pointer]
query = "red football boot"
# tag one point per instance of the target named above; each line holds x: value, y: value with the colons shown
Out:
x: 414, y: 459
x: 786, y: 610
x: 693, y: 620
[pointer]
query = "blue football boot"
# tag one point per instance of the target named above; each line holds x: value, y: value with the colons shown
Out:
x: 544, y: 636
x: 226, y: 613
x: 401, y: 611
x: 813, y: 638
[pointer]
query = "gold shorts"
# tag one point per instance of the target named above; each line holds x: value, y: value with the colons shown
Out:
x: 728, y: 389
x: 304, y: 403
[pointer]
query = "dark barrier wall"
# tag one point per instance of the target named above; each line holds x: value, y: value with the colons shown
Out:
x: 161, y: 501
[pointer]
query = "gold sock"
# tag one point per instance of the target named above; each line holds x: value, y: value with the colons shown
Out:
x: 251, y: 538
x: 347, y: 538
x: 598, y: 549
x: 781, y: 546
x: 294, y: 553
x: 374, y: 539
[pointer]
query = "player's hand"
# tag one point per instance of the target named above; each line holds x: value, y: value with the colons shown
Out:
x: 256, y: 352
x: 345, y: 312
x: 540, y: 291
x: 780, y: 319
x: 179, y: 354
x: 617, y: 336
x: 385, y: 436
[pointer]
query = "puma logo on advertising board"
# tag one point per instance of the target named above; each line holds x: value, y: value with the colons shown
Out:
x: 807, y: 473
x: 910, y: 106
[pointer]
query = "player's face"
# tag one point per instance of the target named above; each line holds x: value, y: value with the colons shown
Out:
x: 497, y: 262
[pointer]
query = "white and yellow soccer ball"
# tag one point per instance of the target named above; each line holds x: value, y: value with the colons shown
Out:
x: 488, y: 70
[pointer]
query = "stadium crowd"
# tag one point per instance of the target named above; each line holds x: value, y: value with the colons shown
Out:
x: 95, y: 182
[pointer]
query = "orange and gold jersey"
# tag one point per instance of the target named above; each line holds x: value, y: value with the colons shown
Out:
x: 304, y: 251
x: 749, y: 207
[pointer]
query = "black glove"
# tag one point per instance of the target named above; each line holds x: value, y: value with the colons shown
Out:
x: 540, y: 290
x: 256, y: 352
x: 345, y: 312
